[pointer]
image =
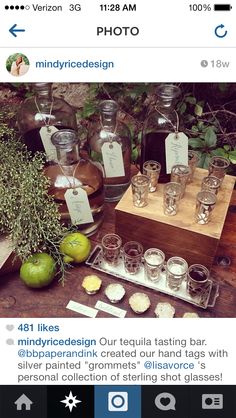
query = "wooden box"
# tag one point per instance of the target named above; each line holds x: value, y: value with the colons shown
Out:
x: 177, y: 235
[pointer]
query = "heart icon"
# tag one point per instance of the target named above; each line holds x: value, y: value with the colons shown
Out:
x: 165, y: 401
x: 9, y: 327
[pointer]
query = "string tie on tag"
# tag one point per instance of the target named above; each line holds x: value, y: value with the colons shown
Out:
x: 46, y: 120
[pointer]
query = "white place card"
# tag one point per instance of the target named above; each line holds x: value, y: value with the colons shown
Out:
x: 50, y: 149
x: 82, y: 309
x: 113, y: 310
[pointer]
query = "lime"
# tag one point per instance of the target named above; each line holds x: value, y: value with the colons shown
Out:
x: 76, y: 247
x: 38, y: 271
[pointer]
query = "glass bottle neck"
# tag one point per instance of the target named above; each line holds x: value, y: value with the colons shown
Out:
x: 108, y: 121
x: 166, y: 105
x: 68, y: 156
x: 167, y: 95
x: 43, y: 96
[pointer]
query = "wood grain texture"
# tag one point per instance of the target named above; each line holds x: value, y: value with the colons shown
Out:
x: 184, y: 219
x: 170, y: 239
x: 175, y: 235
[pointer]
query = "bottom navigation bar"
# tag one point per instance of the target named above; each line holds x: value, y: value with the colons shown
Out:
x: 129, y: 401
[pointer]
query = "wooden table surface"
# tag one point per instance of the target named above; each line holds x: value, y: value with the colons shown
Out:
x: 19, y: 301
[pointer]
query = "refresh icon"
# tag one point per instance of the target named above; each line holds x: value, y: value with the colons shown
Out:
x: 220, y: 32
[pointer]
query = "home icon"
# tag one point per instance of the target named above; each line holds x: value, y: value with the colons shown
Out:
x: 23, y: 403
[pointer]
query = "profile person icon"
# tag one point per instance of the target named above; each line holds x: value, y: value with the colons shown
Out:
x: 17, y: 64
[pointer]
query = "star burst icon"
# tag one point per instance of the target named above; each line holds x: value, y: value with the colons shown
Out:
x: 70, y: 401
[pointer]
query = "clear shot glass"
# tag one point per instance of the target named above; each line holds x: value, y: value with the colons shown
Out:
x: 152, y: 169
x: 132, y: 255
x: 176, y: 270
x: 111, y: 247
x: 211, y: 184
x: 171, y: 198
x: 204, y: 206
x: 153, y: 262
x: 193, y: 161
x: 218, y: 166
x: 140, y: 188
x: 180, y: 174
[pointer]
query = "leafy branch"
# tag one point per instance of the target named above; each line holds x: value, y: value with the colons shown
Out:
x: 207, y: 129
x: 27, y: 213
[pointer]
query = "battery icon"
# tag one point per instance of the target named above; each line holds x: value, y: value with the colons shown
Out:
x: 222, y: 7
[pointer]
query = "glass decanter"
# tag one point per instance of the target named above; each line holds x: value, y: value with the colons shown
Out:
x: 76, y: 184
x: 42, y: 115
x: 110, y: 144
x: 159, y: 123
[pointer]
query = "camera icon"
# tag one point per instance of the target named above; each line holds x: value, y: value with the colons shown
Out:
x: 117, y: 401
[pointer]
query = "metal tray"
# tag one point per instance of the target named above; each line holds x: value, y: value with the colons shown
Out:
x: 205, y: 300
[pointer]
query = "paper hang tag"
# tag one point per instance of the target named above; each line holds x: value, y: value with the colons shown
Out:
x: 176, y: 145
x: 50, y: 149
x: 113, y: 159
x: 78, y: 206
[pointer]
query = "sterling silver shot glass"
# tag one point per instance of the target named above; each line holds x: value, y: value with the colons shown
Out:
x: 180, y: 174
x: 211, y: 184
x: 193, y: 160
x: 132, y: 255
x: 204, y: 206
x: 153, y: 263
x: 152, y: 170
x: 171, y: 198
x: 140, y: 188
x: 176, y: 270
x: 218, y: 166
x: 111, y: 247
x: 197, y: 279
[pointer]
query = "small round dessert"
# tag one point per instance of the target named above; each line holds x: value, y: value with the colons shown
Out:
x: 91, y: 284
x: 164, y: 310
x: 114, y: 292
x: 190, y: 315
x: 139, y: 302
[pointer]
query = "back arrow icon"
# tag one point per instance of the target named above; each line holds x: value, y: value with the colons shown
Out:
x: 13, y: 30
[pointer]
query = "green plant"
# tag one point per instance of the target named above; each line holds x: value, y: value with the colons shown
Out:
x: 208, y: 129
x: 7, y: 122
x: 27, y: 213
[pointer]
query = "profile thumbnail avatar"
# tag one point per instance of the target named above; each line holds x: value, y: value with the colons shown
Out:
x: 17, y: 64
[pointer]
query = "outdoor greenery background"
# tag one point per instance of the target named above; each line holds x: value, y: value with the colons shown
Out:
x: 207, y: 111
